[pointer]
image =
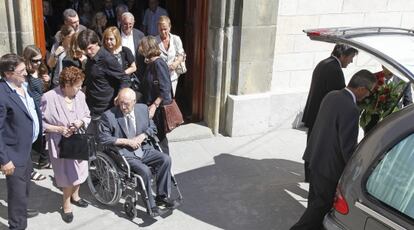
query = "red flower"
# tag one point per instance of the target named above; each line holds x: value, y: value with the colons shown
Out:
x: 382, y: 98
x: 380, y: 78
x: 386, y: 89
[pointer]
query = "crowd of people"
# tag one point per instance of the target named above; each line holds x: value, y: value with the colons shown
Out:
x: 83, y: 84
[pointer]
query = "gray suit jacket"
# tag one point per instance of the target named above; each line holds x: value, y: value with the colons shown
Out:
x: 113, y: 126
x: 137, y: 36
x: 334, y: 136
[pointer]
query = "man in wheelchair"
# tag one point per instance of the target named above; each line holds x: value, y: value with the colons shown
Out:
x: 128, y: 127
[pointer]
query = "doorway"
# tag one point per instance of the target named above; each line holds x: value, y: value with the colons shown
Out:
x: 189, y: 20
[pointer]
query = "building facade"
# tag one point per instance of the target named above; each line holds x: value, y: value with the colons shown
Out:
x: 257, y: 62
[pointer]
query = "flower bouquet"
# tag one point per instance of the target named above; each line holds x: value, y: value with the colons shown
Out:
x: 380, y: 103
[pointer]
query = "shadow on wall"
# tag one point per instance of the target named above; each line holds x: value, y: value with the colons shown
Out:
x: 243, y: 193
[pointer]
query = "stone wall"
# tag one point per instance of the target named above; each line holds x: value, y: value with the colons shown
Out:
x: 296, y: 55
x: 16, y: 27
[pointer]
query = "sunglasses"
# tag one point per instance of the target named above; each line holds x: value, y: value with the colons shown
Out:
x: 36, y: 61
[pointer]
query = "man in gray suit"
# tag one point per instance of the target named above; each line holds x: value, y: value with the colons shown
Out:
x: 128, y: 127
x: 331, y: 144
x: 130, y: 36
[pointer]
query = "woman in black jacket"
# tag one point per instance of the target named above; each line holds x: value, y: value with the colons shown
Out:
x: 156, y: 86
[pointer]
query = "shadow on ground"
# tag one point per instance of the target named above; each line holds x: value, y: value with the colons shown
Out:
x: 243, y: 193
x: 40, y: 198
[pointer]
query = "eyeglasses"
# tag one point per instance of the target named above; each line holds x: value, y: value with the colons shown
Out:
x: 20, y: 72
x: 36, y: 61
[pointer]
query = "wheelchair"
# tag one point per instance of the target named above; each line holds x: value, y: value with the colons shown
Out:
x: 110, y: 179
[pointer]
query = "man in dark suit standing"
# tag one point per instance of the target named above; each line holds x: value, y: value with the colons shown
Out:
x: 19, y: 128
x: 326, y: 77
x: 128, y: 127
x: 331, y: 145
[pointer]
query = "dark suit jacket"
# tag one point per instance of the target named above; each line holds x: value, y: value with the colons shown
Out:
x: 113, y: 126
x: 16, y: 128
x: 334, y: 136
x: 326, y: 77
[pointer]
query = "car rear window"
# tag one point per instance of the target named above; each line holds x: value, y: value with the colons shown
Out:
x: 392, y: 180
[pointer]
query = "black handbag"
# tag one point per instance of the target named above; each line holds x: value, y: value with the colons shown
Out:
x: 79, y: 146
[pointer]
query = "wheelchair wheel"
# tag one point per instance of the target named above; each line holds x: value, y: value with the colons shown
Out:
x: 130, y: 208
x: 104, y: 181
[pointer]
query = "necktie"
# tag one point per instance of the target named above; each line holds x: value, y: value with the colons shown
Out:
x: 130, y: 126
x: 131, y: 134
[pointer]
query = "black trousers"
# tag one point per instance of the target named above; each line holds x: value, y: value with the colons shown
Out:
x: 306, y: 165
x: 18, y: 186
x: 320, y: 199
x: 161, y: 162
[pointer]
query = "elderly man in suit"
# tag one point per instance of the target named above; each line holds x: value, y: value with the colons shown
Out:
x: 128, y: 127
x: 327, y: 76
x: 19, y: 128
x: 331, y: 145
x: 130, y: 36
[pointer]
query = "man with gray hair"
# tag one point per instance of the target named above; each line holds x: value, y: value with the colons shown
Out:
x: 71, y: 18
x: 130, y: 36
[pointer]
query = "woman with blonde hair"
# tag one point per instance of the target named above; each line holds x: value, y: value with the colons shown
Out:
x: 171, y: 48
x: 98, y: 23
x: 113, y: 43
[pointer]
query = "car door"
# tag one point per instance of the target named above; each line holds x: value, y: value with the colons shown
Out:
x: 389, y: 188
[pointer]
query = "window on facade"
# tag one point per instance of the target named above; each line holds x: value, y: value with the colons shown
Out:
x: 392, y: 180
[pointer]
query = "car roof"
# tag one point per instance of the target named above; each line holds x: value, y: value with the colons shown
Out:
x: 392, y: 47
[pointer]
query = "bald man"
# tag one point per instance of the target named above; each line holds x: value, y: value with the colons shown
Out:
x: 128, y: 127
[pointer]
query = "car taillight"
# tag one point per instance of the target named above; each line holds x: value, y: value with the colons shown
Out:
x: 340, y: 204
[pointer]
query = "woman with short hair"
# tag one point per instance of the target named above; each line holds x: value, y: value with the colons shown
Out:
x: 156, y: 86
x: 64, y: 112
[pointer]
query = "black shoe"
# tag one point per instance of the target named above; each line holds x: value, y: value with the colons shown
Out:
x: 67, y: 217
x: 32, y: 213
x: 165, y: 201
x: 80, y: 203
x: 157, y: 212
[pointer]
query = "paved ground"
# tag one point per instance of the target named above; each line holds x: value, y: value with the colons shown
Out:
x: 248, y: 182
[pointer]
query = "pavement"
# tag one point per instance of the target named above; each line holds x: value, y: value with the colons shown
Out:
x: 250, y: 182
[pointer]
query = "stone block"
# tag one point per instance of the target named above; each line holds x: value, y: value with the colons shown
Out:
x: 301, y: 79
x: 400, y: 5
x: 284, y: 108
x: 288, y: 7
x: 266, y: 12
x: 217, y: 13
x: 383, y: 19
x: 296, y: 24
x: 280, y: 80
x: 285, y: 43
x: 254, y: 77
x: 340, y: 20
x: 407, y: 20
x: 254, y: 47
x: 318, y: 7
x: 358, y: 6
x: 247, y: 114
x: 294, y: 61
x: 304, y: 44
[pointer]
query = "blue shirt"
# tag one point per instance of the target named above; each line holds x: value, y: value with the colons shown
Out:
x: 31, y: 108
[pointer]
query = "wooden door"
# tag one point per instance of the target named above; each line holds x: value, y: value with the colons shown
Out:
x: 190, y: 22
